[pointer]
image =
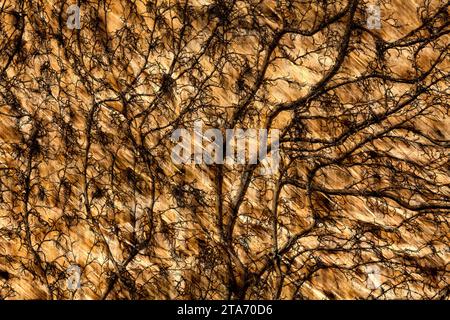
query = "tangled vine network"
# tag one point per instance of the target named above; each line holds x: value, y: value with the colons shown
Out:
x: 358, y: 206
